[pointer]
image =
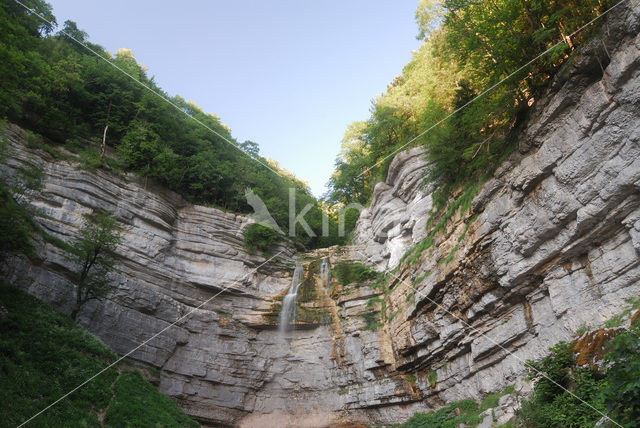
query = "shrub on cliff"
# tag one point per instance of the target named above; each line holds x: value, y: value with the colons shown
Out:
x: 257, y: 237
x: 622, y: 396
x: 569, y: 395
x: 15, y: 226
x: 93, y: 255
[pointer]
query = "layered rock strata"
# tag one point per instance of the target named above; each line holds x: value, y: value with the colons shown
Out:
x: 551, y: 243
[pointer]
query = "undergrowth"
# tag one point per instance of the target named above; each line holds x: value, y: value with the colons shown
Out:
x: 349, y: 273
x: 44, y: 355
x: 571, y: 396
x: 466, y: 412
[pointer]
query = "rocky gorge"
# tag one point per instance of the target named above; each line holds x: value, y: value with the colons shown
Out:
x: 550, y: 243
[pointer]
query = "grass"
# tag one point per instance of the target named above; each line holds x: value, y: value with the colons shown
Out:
x: 432, y: 378
x: 419, y: 279
x: 36, y: 141
x: 44, y: 355
x: 373, y: 300
x: 450, y: 257
x: 443, y: 215
x: 413, y: 254
x: 633, y: 304
x: 137, y: 403
x: 468, y: 415
x: 466, y: 227
x: 583, y: 329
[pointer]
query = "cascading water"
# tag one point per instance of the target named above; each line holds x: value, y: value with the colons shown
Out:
x: 325, y: 271
x: 289, y: 309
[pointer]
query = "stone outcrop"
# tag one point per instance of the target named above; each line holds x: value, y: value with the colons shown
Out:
x: 174, y: 258
x: 550, y: 243
x: 396, y: 218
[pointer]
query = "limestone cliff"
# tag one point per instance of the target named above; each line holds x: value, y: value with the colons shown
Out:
x: 550, y: 243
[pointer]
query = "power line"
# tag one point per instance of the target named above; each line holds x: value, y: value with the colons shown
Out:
x: 481, y: 334
x: 53, y: 24
x: 148, y: 340
x: 486, y: 91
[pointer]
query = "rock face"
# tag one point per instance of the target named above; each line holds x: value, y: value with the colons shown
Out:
x: 551, y: 243
x: 398, y: 213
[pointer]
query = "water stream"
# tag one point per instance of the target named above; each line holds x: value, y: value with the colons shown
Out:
x: 325, y: 271
x: 289, y: 307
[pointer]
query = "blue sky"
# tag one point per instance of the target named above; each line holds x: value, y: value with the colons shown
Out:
x: 289, y: 75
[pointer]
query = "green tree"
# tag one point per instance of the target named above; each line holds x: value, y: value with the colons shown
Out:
x: 94, y: 258
x: 260, y: 238
x: 15, y: 226
x: 140, y: 149
x: 16, y: 220
x: 622, y: 397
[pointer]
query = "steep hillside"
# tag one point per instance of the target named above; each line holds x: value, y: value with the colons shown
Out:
x: 45, y: 355
x: 108, y: 109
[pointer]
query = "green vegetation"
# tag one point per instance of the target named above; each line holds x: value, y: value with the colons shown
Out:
x: 16, y: 226
x: 257, y: 237
x: 583, y: 329
x: 348, y: 273
x: 420, y: 278
x: 633, y: 304
x: 413, y: 254
x: 450, y: 257
x: 137, y: 403
x: 60, y: 91
x: 467, y: 412
x: 466, y: 227
x: 432, y: 378
x: 467, y: 50
x: 312, y: 315
x: 304, y: 314
x: 16, y: 217
x: 372, y: 320
x: 373, y: 300
x: 612, y: 389
x: 44, y: 355
x: 462, y: 203
x: 93, y: 255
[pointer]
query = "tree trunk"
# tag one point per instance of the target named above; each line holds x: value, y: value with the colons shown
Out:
x: 78, y: 304
x: 103, y: 147
x: 74, y: 311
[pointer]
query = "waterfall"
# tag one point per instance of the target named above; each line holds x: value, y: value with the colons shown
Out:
x: 289, y: 309
x: 325, y: 271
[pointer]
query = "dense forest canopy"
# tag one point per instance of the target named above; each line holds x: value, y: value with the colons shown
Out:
x: 61, y: 90
x: 57, y: 88
x: 469, y: 47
